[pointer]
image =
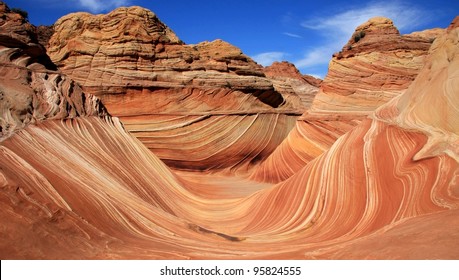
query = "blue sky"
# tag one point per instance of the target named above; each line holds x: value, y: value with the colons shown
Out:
x: 305, y: 33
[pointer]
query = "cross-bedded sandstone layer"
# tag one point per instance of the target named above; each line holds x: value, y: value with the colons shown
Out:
x: 31, y: 89
x: 167, y: 92
x: 377, y: 64
x: 75, y: 184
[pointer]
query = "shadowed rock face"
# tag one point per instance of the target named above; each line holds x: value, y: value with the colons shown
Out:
x: 16, y: 32
x: 287, y: 79
x: 75, y: 184
x: 44, y: 33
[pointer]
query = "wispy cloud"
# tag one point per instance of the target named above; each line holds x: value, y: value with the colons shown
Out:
x: 268, y: 58
x: 404, y: 15
x: 335, y: 30
x: 316, y: 56
x: 292, y: 35
x: 318, y: 76
x: 96, y: 6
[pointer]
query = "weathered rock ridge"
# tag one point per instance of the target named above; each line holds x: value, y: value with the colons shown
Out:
x: 130, y: 48
x: 287, y: 79
x: 209, y: 100
x: 30, y: 88
x: 16, y: 32
x: 376, y: 65
x: 429, y: 104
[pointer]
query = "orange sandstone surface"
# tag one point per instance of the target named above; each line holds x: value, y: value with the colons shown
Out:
x: 197, y: 107
x: 377, y: 64
x: 78, y: 182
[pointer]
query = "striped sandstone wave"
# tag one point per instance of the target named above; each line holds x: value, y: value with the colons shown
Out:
x: 75, y: 183
x: 364, y: 75
x: 142, y: 71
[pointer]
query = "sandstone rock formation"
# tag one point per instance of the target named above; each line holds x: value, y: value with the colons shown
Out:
x: 376, y: 65
x: 163, y: 89
x: 63, y: 160
x: 44, y: 33
x: 429, y: 105
x: 382, y: 61
x: 75, y: 184
x: 30, y: 89
x: 286, y: 78
x: 16, y: 32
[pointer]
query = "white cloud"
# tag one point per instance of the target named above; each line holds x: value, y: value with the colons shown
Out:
x: 292, y: 35
x: 337, y: 29
x: 317, y: 76
x: 320, y: 55
x: 403, y: 14
x: 268, y: 58
x: 96, y: 6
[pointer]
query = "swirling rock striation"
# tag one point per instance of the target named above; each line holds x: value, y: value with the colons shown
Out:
x: 30, y: 89
x: 162, y: 88
x: 377, y: 64
x: 430, y: 104
x: 81, y: 186
x: 387, y: 175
